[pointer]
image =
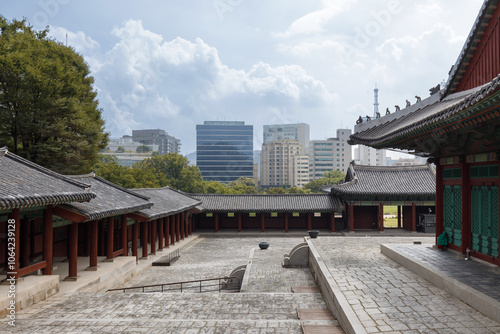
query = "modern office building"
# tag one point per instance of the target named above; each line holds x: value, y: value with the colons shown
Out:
x: 276, y: 162
x: 330, y: 154
x: 166, y: 144
x: 300, y: 172
x: 368, y: 156
x: 298, y: 131
x: 224, y: 150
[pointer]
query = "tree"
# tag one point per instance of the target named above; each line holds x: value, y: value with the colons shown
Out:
x: 48, y: 109
x: 120, y: 149
x: 330, y: 177
x: 276, y: 190
x: 143, y: 149
x: 243, y: 185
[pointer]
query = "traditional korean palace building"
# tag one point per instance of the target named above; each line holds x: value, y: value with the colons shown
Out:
x: 267, y: 212
x: 458, y: 128
x: 368, y: 188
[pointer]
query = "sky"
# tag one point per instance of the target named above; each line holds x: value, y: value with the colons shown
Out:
x: 172, y: 64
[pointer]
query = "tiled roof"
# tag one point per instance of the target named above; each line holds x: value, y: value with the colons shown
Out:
x: 429, y: 114
x: 167, y: 201
x: 26, y: 184
x: 268, y: 203
x: 111, y: 199
x: 387, y: 183
x: 470, y: 45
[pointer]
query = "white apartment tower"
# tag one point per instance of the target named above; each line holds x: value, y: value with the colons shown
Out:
x: 276, y: 162
x: 298, y: 131
x: 330, y: 154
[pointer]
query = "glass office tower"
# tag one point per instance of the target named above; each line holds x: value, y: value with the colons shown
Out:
x: 224, y: 150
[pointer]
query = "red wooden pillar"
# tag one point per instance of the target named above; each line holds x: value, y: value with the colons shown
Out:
x: 239, y: 222
x: 216, y: 221
x: 190, y: 223
x: 177, y: 227
x: 73, y: 252
x: 153, y: 236
x: 399, y: 216
x: 351, y: 216
x: 25, y: 243
x: 262, y: 223
x: 48, y: 246
x: 182, y: 218
x: 135, y: 235
x: 109, y: 239
x: 466, y: 206
x: 144, y: 239
x: 93, y: 245
x: 439, y: 199
x: 286, y: 222
x: 381, y: 216
x: 332, y: 221
x: 160, y: 233
x: 413, y: 217
x: 309, y: 221
x: 124, y: 235
x: 172, y: 234
x: 13, y: 226
x: 167, y: 231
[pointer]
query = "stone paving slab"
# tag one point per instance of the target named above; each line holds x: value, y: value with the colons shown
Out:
x: 388, y: 298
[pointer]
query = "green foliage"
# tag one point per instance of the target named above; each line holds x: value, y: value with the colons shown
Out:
x: 120, y: 149
x: 143, y: 149
x: 243, y: 185
x: 330, y: 177
x: 48, y: 109
x: 214, y: 187
x: 297, y: 190
x: 276, y: 190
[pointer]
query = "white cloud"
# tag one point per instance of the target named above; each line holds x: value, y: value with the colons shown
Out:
x: 79, y: 40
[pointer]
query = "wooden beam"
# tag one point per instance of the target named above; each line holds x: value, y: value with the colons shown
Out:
x: 413, y: 217
x: 109, y: 238
x: 135, y: 235
x: 48, y: 246
x: 183, y: 225
x: 144, y: 239
x: 351, y: 216
x: 138, y: 217
x: 332, y: 221
x: 166, y: 221
x: 68, y: 215
x: 216, y: 214
x: 178, y: 227
x: 439, y: 199
x: 286, y: 222
x: 172, y: 230
x: 381, y: 216
x: 93, y: 244
x: 262, y: 222
x: 153, y: 236
x: 124, y: 236
x: 309, y: 221
x: 73, y: 251
x: 160, y: 233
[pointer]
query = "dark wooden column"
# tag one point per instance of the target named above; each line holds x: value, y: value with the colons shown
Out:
x: 239, y: 222
x: 351, y: 216
x: 135, y: 235
x: 262, y: 222
x: 124, y: 235
x: 332, y: 221
x: 144, y: 239
x: 25, y: 243
x: 109, y: 238
x: 399, y: 216
x: 381, y: 216
x: 190, y: 224
x: 286, y: 222
x: 413, y: 217
x: 153, y: 236
x: 160, y: 233
x: 93, y: 245
x: 167, y: 231
x: 73, y: 252
x: 216, y: 221
x: 13, y: 225
x: 466, y: 207
x: 309, y: 221
x: 439, y: 199
x: 182, y: 225
x: 48, y: 240
x: 172, y: 226
x: 178, y: 227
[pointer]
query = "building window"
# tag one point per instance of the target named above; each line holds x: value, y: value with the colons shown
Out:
x: 317, y: 214
x: 230, y: 214
x: 252, y: 214
x: 295, y: 214
x: 209, y: 214
x: 274, y: 214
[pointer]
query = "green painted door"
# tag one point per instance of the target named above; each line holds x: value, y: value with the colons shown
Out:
x: 484, y: 220
x: 452, y: 214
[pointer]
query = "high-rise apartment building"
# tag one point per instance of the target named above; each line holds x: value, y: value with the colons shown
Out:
x: 166, y: 144
x: 298, y: 131
x: 365, y: 155
x: 330, y: 154
x: 276, y: 162
x: 300, y: 172
x: 224, y: 150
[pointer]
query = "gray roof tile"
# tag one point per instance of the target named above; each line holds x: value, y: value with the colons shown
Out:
x: 268, y: 203
x: 26, y: 184
x: 111, y: 199
x: 167, y: 201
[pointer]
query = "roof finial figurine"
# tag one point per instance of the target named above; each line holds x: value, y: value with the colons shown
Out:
x: 408, y: 103
x: 377, y: 115
x: 387, y: 111
x: 418, y: 98
x: 436, y: 89
x: 359, y: 120
x: 397, y: 107
x: 368, y: 118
